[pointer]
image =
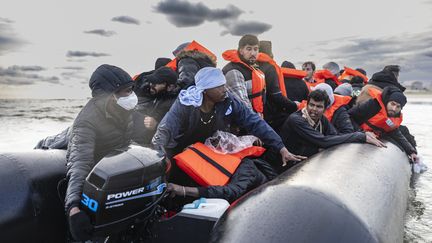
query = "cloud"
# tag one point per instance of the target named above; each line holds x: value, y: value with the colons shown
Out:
x: 8, y: 39
x: 240, y: 28
x: 412, y: 52
x: 23, y: 75
x: 5, y: 20
x: 101, y: 32
x: 126, y: 20
x: 71, y: 68
x: 182, y: 13
x: 186, y: 14
x: 73, y: 75
x: 85, y: 54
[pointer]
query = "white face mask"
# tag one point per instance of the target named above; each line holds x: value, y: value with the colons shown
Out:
x: 129, y: 102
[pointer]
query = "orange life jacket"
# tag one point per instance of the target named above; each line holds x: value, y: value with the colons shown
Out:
x: 326, y: 74
x: 209, y: 168
x: 310, y: 85
x: 301, y: 105
x: 381, y: 122
x: 339, y: 101
x: 352, y: 72
x: 293, y: 73
x: 258, y: 80
x: 192, y: 46
x: 262, y: 57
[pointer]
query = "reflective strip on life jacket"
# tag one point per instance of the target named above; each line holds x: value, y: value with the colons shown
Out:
x: 258, y: 80
x: 381, y: 122
x: 339, y: 101
x: 262, y: 57
x: 326, y: 74
x: 293, y: 73
x: 209, y: 168
x: 352, y: 72
x: 191, y: 47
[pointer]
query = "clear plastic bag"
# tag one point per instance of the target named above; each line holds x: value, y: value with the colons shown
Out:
x: 420, y: 166
x: 228, y: 143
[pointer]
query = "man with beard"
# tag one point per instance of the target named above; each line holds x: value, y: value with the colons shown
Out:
x: 307, y: 131
x: 103, y: 125
x: 243, y: 78
x: 382, y: 115
x: 156, y: 93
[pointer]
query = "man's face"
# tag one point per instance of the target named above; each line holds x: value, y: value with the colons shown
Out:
x: 124, y: 92
x: 315, y: 109
x: 249, y: 53
x: 216, y: 94
x: 309, y: 70
x: 393, y: 109
x: 157, y: 88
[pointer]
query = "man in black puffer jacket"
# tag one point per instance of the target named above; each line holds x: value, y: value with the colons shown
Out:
x: 190, y: 58
x: 103, y: 126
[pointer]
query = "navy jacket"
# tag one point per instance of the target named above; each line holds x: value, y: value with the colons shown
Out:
x: 181, y: 121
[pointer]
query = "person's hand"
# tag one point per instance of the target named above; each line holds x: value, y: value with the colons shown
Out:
x: 175, y: 190
x: 414, y: 158
x: 79, y: 225
x: 150, y: 122
x: 287, y: 156
x: 258, y: 142
x: 372, y: 139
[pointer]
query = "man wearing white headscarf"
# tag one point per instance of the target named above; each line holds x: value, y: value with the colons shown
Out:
x: 200, y: 111
x: 206, y: 107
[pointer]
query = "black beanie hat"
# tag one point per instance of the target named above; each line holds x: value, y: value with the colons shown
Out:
x: 287, y: 64
x: 399, y: 97
x: 161, y: 61
x: 107, y: 79
x: 163, y: 75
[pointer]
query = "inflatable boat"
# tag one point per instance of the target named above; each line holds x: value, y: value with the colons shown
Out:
x: 348, y: 193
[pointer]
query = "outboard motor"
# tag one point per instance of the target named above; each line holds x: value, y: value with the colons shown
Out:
x: 124, y: 189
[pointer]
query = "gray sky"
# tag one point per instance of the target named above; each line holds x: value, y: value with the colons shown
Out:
x: 49, y: 48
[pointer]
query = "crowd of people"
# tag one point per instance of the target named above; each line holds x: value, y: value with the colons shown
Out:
x: 293, y: 113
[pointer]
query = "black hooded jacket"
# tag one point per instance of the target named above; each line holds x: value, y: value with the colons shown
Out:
x: 364, y: 111
x: 384, y: 79
x: 188, y: 64
x: 100, y: 128
x: 301, y: 138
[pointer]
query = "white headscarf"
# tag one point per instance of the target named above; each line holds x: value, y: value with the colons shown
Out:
x: 205, y: 78
x: 328, y: 89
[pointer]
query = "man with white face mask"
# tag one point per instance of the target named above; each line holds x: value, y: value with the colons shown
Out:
x: 103, y: 125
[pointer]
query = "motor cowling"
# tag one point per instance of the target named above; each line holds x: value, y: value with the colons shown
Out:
x: 124, y: 187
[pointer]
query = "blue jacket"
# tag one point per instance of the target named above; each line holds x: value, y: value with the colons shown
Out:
x: 181, y: 121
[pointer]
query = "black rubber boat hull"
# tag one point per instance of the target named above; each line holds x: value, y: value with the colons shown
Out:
x: 349, y: 193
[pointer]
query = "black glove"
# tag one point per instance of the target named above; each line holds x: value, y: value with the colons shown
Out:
x: 80, y: 226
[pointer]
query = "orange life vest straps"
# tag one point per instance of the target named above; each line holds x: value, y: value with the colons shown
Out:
x: 326, y: 74
x: 310, y: 85
x: 352, y: 72
x: 339, y: 101
x: 258, y: 80
x: 293, y: 73
x: 209, y: 168
x: 262, y: 57
x: 194, y: 45
x: 381, y: 122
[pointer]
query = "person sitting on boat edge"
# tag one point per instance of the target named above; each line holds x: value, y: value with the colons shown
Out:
x: 103, y: 125
x: 200, y: 111
x: 308, y: 130
x: 382, y: 115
